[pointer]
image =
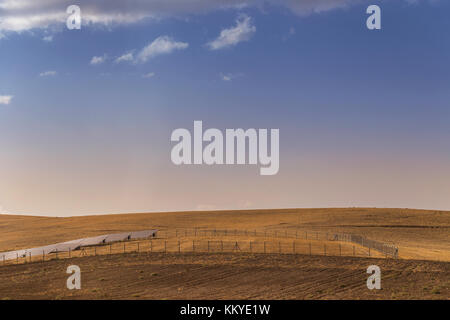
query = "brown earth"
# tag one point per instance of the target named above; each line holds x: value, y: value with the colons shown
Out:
x: 225, y: 276
x: 420, y: 235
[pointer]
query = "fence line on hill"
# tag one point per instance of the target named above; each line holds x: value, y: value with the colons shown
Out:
x: 341, y: 246
x: 387, y: 249
x: 162, y: 246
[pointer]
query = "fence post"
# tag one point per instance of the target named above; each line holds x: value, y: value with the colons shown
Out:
x: 165, y: 246
x: 293, y: 246
x: 310, y: 251
x: 221, y: 244
x: 264, y: 247
x: 250, y: 246
x: 124, y: 247
x: 193, y: 245
x: 69, y: 253
x: 179, y: 247
x: 43, y: 256
x: 325, y: 249
x: 353, y: 250
x: 3, y: 259
x: 279, y: 247
x: 30, y: 257
x: 208, y: 245
x: 340, y: 250
x: 110, y: 249
x: 369, y: 251
x: 17, y: 258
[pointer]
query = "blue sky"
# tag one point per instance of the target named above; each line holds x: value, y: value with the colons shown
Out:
x: 363, y: 115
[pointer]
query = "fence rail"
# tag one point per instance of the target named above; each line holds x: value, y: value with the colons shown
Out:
x: 387, y: 249
x: 247, y: 241
x: 283, y: 246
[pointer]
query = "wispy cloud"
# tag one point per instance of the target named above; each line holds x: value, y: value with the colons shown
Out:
x: 230, y: 76
x: 148, y: 75
x: 243, y: 31
x: 49, y: 73
x: 48, y: 38
x: 96, y: 60
x: 125, y: 57
x: 161, y: 45
x: 5, y: 99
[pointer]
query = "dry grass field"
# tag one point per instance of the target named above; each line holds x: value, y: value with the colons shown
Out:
x: 422, y: 272
x: 419, y: 234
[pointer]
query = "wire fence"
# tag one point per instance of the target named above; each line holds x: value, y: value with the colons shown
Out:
x: 386, y: 249
x: 216, y: 240
x: 159, y: 246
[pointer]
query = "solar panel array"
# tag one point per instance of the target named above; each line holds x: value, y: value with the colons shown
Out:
x: 77, y: 244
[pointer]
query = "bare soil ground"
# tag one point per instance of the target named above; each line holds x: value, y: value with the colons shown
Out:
x: 225, y: 276
x: 423, y: 272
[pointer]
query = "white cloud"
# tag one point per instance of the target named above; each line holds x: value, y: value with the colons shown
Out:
x: 5, y: 99
x: 230, y: 76
x: 25, y: 15
x: 148, y: 75
x: 161, y: 45
x: 47, y: 74
x: 98, y: 60
x: 48, y: 38
x: 243, y: 31
x: 125, y: 57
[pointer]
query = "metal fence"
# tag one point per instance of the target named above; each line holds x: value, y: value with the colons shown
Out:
x: 158, y: 246
x: 247, y: 241
x: 386, y: 249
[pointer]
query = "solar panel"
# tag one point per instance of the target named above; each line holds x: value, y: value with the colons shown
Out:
x: 77, y: 244
x: 118, y: 237
x: 143, y: 234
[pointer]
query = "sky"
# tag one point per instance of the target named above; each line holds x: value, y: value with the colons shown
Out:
x: 86, y: 115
